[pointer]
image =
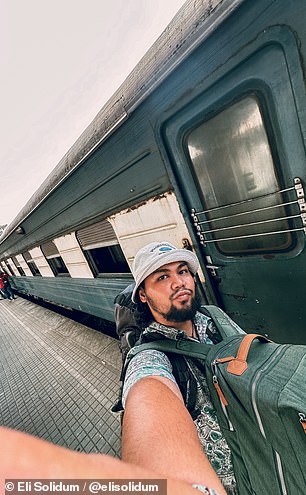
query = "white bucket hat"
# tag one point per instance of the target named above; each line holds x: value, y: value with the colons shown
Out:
x: 156, y: 254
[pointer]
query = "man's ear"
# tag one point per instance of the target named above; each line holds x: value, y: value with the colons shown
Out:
x: 142, y: 295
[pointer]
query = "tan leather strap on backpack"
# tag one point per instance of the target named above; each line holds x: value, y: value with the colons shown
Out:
x: 237, y: 365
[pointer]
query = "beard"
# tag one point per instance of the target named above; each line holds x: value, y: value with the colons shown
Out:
x: 182, y: 314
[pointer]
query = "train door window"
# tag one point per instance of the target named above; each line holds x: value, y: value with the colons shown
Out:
x: 19, y: 268
x: 31, y: 264
x: 234, y: 170
x: 102, y: 250
x: 54, y: 259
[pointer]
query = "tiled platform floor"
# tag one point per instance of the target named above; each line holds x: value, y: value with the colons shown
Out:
x: 58, y: 378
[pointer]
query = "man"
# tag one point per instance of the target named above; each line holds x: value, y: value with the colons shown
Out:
x: 153, y: 398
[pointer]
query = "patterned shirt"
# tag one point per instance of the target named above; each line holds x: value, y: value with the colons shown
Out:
x: 156, y: 363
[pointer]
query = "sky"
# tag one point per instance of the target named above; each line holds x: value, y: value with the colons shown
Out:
x: 61, y: 60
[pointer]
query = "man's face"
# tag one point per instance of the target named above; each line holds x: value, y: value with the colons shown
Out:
x: 170, y: 293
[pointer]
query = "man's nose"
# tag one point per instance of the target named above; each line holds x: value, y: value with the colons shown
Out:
x: 177, y: 281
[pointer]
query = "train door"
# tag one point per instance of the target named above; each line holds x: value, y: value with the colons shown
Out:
x: 238, y: 160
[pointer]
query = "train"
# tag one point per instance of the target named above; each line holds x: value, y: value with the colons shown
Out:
x: 203, y: 145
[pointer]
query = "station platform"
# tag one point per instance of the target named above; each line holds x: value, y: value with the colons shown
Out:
x: 58, y: 378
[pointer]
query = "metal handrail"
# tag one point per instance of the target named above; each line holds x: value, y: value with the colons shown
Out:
x: 249, y: 224
x: 300, y: 201
x: 244, y: 201
x: 251, y: 235
x: 243, y: 212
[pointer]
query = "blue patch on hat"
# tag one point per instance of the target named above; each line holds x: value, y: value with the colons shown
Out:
x: 165, y: 249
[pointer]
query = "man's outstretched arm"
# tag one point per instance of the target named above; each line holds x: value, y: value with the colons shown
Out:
x: 158, y: 433
x: 23, y: 456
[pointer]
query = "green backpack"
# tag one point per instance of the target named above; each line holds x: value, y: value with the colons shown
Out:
x: 258, y: 388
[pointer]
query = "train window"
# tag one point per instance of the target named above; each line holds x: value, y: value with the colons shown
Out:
x: 54, y: 259
x: 101, y: 248
x: 10, y: 269
x: 236, y: 177
x: 19, y: 268
x: 31, y: 264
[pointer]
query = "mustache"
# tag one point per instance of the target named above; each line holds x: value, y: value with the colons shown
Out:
x: 173, y: 296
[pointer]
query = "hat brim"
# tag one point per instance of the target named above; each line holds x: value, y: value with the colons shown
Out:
x: 172, y: 256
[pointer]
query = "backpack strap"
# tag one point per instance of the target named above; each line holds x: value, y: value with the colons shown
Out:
x: 181, y: 346
x: 224, y: 324
x: 185, y: 380
x: 237, y: 365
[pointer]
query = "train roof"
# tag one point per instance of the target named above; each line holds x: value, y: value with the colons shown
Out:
x: 190, y: 26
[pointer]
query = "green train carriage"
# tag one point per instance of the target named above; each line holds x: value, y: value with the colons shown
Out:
x: 203, y: 145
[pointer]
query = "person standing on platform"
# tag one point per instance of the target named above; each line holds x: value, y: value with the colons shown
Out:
x: 5, y: 287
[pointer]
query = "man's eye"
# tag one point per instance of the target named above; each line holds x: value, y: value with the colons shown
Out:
x: 183, y: 271
x: 162, y: 277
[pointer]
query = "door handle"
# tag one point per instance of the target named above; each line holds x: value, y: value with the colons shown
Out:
x: 213, y: 269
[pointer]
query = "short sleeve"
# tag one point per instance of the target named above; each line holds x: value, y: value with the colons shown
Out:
x: 146, y: 363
